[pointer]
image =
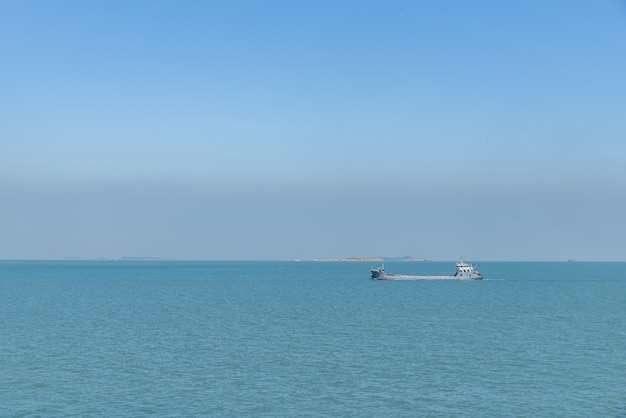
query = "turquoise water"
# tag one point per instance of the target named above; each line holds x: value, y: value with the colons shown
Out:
x: 310, y: 339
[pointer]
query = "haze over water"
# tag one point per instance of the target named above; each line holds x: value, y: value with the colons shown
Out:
x: 284, y: 130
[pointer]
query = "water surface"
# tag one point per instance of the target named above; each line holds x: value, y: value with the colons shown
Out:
x: 310, y: 339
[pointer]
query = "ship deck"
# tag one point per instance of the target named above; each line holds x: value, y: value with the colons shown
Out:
x: 406, y: 277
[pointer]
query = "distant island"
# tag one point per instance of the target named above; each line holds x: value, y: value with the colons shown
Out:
x: 349, y: 259
x: 406, y: 258
x: 115, y: 258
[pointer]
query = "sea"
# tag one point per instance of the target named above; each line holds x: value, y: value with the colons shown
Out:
x: 310, y: 339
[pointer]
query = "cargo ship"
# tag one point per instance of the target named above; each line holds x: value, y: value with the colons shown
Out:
x: 464, y: 271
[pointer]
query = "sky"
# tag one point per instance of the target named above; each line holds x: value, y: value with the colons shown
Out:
x: 278, y: 130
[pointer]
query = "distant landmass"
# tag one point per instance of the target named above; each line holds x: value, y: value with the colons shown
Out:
x: 406, y: 258
x: 349, y: 259
x: 116, y: 258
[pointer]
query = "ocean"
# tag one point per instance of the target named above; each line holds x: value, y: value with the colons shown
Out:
x: 286, y: 339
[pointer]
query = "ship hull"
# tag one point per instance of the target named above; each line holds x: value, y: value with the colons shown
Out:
x: 404, y: 277
x: 464, y: 271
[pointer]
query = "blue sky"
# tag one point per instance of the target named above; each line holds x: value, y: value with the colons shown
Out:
x: 281, y: 129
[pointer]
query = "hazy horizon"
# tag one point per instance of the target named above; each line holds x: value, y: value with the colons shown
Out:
x: 285, y: 130
x: 386, y: 259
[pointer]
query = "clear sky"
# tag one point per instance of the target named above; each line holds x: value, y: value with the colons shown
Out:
x: 313, y: 129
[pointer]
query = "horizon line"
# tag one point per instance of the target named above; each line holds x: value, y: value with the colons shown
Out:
x: 313, y: 260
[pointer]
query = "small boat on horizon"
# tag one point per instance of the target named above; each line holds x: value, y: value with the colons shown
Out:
x: 464, y: 271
